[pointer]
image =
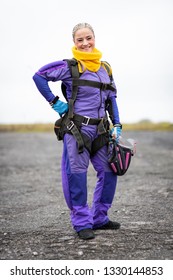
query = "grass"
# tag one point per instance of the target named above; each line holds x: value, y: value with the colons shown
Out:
x: 49, y: 127
x: 160, y: 126
x: 39, y: 127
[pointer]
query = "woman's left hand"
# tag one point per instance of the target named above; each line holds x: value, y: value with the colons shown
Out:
x: 115, y: 132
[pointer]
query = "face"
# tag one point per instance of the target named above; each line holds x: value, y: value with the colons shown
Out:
x: 84, y: 40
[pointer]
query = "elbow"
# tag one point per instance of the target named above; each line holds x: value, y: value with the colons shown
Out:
x: 35, y: 77
x: 39, y: 80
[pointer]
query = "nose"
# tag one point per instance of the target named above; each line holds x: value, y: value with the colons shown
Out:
x: 85, y: 42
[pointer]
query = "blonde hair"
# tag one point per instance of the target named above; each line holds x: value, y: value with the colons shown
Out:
x: 82, y: 25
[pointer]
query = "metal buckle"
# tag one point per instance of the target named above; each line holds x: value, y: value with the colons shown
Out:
x: 87, y: 120
x: 70, y: 125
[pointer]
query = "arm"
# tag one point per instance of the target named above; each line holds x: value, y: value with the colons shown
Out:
x: 43, y: 87
x: 52, y: 72
x: 112, y: 108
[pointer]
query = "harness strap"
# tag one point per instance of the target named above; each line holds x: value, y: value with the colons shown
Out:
x: 101, y: 127
x: 74, y: 130
x: 102, y: 86
x: 84, y: 120
x: 70, y: 107
x: 73, y: 66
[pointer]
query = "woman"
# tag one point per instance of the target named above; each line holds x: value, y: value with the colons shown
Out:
x: 91, y: 102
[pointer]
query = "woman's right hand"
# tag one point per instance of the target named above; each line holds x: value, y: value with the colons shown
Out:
x: 60, y: 107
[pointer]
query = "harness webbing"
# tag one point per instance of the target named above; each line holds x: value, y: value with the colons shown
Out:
x: 89, y: 83
x: 74, y: 130
x: 74, y: 118
x: 73, y: 65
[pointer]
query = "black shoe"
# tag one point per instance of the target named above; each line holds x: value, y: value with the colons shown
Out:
x: 110, y: 225
x: 86, y: 234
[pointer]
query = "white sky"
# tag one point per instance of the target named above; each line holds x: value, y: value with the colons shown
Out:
x: 135, y: 37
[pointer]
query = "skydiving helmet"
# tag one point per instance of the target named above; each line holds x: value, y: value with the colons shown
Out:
x: 119, y: 155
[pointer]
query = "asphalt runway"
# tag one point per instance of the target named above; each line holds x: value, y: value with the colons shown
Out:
x: 34, y: 219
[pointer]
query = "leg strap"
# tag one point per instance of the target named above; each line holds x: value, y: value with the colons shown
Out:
x: 74, y: 130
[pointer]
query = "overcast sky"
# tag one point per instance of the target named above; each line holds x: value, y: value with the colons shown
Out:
x: 135, y: 37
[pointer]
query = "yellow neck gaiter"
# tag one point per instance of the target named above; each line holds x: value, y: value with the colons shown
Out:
x: 90, y: 61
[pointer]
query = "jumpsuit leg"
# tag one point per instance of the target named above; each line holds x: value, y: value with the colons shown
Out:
x: 74, y: 181
x: 105, y: 188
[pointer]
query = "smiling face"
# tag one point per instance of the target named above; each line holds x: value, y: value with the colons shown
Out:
x: 84, y: 40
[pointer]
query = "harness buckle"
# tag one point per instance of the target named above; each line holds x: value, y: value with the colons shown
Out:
x: 70, y: 125
x: 103, y: 86
x: 86, y: 120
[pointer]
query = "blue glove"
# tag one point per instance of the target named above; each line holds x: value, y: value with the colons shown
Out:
x: 60, y: 107
x: 115, y: 132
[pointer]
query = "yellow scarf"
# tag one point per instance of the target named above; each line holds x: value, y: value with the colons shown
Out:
x: 90, y: 61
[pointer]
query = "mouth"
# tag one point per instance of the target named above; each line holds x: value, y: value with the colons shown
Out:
x: 87, y: 49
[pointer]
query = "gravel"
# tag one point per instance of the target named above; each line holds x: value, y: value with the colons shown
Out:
x: 34, y: 219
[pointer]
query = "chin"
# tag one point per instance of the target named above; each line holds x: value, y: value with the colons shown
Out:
x: 87, y: 50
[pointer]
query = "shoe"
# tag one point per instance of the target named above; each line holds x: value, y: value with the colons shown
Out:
x: 86, y: 234
x: 110, y: 225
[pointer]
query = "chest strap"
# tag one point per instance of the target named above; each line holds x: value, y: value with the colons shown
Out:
x: 80, y: 82
x: 89, y: 83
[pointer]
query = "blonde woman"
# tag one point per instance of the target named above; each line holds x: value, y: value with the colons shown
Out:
x: 96, y: 96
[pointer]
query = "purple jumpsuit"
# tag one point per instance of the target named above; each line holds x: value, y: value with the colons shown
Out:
x: 90, y: 102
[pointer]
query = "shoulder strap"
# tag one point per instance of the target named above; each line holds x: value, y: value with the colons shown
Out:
x: 73, y: 66
x: 108, y: 69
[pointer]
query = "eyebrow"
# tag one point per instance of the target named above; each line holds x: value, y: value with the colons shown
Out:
x: 83, y: 37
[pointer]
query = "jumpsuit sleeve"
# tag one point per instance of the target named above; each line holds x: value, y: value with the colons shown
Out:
x: 54, y: 71
x: 112, y: 106
x: 113, y: 110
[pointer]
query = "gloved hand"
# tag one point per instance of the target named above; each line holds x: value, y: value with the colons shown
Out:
x: 115, y: 132
x: 60, y: 107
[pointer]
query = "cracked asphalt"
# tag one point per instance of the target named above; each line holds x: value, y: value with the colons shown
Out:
x: 34, y: 219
